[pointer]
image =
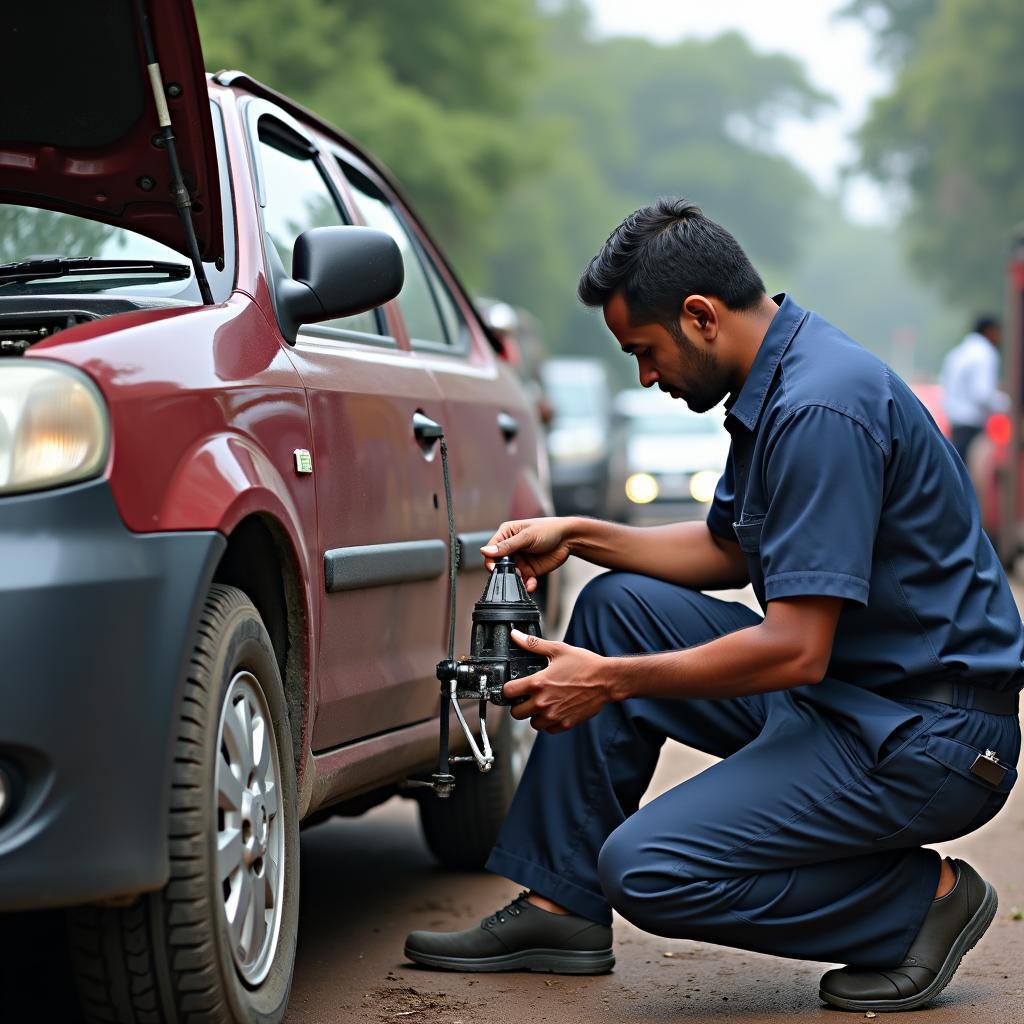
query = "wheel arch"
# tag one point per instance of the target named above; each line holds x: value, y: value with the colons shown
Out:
x: 261, y: 561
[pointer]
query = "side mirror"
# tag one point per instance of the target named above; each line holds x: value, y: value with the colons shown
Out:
x: 338, y: 271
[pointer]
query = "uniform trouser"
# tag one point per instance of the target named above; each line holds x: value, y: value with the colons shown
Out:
x: 804, y: 841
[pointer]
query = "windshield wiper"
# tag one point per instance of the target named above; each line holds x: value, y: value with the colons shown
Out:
x: 66, y: 266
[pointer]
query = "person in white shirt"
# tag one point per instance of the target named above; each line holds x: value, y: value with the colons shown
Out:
x: 969, y: 379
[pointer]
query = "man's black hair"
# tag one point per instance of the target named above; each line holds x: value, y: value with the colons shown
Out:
x: 983, y: 323
x: 661, y: 254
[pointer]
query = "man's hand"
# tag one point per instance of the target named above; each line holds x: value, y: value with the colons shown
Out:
x: 539, y: 546
x: 573, y: 688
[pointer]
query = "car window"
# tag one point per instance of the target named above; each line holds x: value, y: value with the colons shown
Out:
x: 298, y: 198
x: 418, y: 300
x: 454, y: 323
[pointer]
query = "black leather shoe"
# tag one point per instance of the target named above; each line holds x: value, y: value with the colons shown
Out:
x: 519, y: 937
x: 953, y: 925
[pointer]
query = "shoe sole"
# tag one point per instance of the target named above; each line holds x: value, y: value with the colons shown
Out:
x: 965, y: 942
x: 541, y: 961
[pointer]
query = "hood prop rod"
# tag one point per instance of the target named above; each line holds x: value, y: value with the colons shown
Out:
x: 182, y: 200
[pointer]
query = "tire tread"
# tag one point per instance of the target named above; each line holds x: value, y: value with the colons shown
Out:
x: 114, y: 950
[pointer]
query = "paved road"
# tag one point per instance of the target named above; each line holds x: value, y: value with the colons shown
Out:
x: 366, y: 882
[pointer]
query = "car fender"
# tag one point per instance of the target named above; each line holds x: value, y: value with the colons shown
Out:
x: 227, y: 478
x: 223, y: 479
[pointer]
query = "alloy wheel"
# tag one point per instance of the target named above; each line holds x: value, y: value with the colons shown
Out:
x: 250, y: 828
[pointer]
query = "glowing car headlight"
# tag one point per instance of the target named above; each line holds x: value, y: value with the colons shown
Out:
x: 54, y: 427
x: 703, y: 484
x: 641, y: 488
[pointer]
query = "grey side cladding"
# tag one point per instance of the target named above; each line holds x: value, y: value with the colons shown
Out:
x: 378, y: 565
x: 469, y: 549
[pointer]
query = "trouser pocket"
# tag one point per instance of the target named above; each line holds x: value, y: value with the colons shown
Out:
x: 960, y: 800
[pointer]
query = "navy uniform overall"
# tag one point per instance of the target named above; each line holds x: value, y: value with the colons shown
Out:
x: 806, y: 839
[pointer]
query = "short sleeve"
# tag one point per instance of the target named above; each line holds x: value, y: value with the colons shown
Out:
x: 824, y: 476
x: 721, y: 514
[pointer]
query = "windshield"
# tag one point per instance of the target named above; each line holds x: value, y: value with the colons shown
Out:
x: 28, y: 233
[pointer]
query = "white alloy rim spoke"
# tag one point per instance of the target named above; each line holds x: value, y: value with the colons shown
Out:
x: 249, y: 828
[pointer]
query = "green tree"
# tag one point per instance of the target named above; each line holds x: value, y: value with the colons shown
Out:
x: 857, y: 276
x: 433, y: 89
x: 896, y: 25
x: 626, y: 120
x: 25, y: 233
x: 950, y: 134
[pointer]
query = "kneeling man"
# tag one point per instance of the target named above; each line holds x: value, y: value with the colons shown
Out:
x: 872, y: 710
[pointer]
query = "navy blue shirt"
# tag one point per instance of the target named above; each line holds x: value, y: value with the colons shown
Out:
x: 839, y: 483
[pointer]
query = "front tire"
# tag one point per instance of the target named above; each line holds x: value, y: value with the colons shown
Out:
x: 217, y: 943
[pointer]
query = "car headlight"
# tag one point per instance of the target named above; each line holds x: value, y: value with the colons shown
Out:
x: 703, y: 486
x: 54, y: 427
x: 641, y: 488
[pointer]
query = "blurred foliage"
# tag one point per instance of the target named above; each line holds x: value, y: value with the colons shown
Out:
x: 27, y: 233
x: 950, y: 134
x: 856, y: 276
x: 523, y: 139
x: 895, y: 25
x: 433, y: 89
x: 628, y: 120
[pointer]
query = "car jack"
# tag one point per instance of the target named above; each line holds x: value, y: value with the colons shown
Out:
x: 494, y: 658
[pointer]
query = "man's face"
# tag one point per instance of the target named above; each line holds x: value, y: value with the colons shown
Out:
x: 682, y: 367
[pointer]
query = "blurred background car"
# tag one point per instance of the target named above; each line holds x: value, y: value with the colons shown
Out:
x: 665, y: 459
x: 578, y: 434
x: 518, y: 333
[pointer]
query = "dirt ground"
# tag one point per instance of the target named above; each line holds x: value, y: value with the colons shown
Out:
x: 367, y: 882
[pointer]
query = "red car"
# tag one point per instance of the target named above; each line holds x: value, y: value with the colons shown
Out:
x: 223, y: 534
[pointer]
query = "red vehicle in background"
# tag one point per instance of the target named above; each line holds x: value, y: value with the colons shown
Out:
x: 227, y: 353
x: 930, y: 396
x: 995, y: 458
x: 987, y: 458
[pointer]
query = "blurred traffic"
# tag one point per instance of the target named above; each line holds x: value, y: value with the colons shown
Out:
x: 665, y: 460
x: 578, y: 434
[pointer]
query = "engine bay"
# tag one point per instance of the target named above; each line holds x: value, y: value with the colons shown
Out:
x: 24, y: 322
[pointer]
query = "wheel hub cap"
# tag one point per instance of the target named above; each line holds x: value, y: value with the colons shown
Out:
x: 250, y: 828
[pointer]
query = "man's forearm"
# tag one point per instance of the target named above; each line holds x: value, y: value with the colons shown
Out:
x: 752, y: 660
x: 682, y: 553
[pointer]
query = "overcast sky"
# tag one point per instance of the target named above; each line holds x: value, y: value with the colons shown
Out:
x: 835, y: 51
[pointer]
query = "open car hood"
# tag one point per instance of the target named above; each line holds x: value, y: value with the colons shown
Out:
x: 78, y: 117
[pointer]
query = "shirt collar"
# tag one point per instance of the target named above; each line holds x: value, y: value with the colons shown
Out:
x: 747, y: 405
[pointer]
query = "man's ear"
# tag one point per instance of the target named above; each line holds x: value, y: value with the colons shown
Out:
x: 700, y: 312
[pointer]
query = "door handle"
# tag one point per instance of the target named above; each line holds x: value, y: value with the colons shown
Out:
x: 508, y: 425
x: 425, y: 429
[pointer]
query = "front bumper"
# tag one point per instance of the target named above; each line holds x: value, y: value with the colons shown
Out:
x: 96, y: 624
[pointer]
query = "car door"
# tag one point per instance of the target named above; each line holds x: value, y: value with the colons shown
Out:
x: 488, y: 426
x: 381, y: 526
